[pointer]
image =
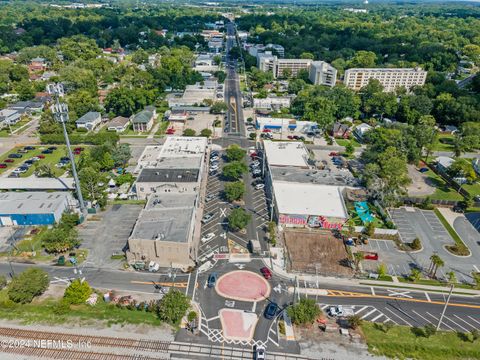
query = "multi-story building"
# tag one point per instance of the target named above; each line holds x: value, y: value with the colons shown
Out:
x: 391, y: 79
x: 272, y: 102
x: 268, y: 62
x: 322, y: 73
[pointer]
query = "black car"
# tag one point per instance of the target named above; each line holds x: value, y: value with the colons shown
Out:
x: 271, y: 311
x: 212, y: 279
x: 15, y: 156
x: 47, y: 151
x: 29, y: 147
x: 64, y: 159
x: 52, y: 148
x: 214, y: 153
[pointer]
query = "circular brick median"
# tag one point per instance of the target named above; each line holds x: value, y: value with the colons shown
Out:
x: 243, y: 286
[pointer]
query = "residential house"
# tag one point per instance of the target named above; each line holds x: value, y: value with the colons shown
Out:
x: 37, y: 64
x: 118, y: 124
x: 89, y: 121
x: 9, y: 117
x: 27, y: 107
x: 143, y: 121
x: 443, y: 163
x: 476, y: 165
x: 361, y: 130
x: 449, y: 129
x: 340, y: 130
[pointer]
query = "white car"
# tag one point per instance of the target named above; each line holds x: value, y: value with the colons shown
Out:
x: 259, y: 186
x: 214, y: 158
x: 259, y: 352
x: 256, y: 163
x: 208, y: 237
x: 214, y: 167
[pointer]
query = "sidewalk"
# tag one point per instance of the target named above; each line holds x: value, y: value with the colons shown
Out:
x: 277, y: 264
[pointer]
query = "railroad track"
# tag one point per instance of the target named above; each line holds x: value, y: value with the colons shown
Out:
x: 101, y: 341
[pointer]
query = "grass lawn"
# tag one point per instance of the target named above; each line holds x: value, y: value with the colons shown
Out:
x: 443, y: 191
x: 43, y: 312
x: 52, y: 158
x: 433, y: 282
x: 401, y: 343
x: 451, y: 231
x: 444, y: 142
x: 473, y: 189
x: 162, y: 128
x: 344, y: 142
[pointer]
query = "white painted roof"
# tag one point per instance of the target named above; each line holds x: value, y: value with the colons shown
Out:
x: 309, y: 199
x: 286, y: 153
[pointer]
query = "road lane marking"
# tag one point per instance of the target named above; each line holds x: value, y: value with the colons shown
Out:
x: 427, y: 296
x: 213, y: 318
x: 195, y: 288
x: 476, y: 268
x: 371, y: 312
x: 373, y: 290
x: 398, y: 316
x: 182, y: 285
x: 395, y: 293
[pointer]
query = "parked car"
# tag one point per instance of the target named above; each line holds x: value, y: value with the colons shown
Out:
x: 22, y: 151
x: 259, y: 352
x: 47, y: 151
x: 212, y: 172
x: 214, y: 153
x: 259, y: 186
x: 333, y: 153
x: 35, y: 159
x: 290, y: 137
x: 208, y: 237
x: 170, y: 131
x: 423, y: 170
x: 256, y: 163
x: 214, y: 158
x: 256, y: 182
x: 3, y: 166
x: 15, y: 156
x: 266, y: 130
x: 65, y: 159
x: 79, y: 149
x: 9, y: 160
x: 207, y: 218
x: 213, y: 167
x: 335, y: 310
x: 256, y: 171
x: 267, y: 274
x: 29, y: 147
x: 19, y: 170
x: 212, y: 279
x: 210, y: 197
x: 27, y: 165
x: 271, y: 311
x: 52, y: 148
x: 41, y: 156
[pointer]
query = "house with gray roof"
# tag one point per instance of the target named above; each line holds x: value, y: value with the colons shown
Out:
x: 143, y: 121
x: 89, y: 121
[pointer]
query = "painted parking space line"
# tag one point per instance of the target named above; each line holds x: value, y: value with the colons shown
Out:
x: 425, y: 319
x: 454, y: 322
x: 377, y: 317
x: 398, y: 316
x: 370, y: 313
x: 443, y: 322
x: 478, y: 322
x: 468, y: 324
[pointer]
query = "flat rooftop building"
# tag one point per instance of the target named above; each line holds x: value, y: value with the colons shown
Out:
x: 390, y: 78
x: 286, y: 153
x: 33, y: 207
x: 164, y: 231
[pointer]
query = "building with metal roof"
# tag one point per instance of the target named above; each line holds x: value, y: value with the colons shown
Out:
x: 89, y: 121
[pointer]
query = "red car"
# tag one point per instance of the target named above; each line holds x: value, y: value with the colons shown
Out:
x: 267, y: 274
x: 3, y: 166
x: 267, y: 130
x: 8, y: 160
x: 290, y: 137
x: 253, y: 154
x: 170, y: 131
x: 333, y: 153
x: 79, y: 149
x: 41, y: 156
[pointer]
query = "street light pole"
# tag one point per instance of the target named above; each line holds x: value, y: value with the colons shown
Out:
x: 445, y: 307
x: 60, y: 111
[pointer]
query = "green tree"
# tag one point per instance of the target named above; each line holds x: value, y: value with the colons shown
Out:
x: 140, y: 57
x: 354, y: 321
x: 305, y: 312
x: 30, y: 283
x: 77, y: 292
x: 218, y: 107
x: 25, y: 90
x: 217, y: 59
x: 121, y: 154
x: 82, y: 101
x: 238, y: 219
x: 172, y: 307
x: 415, y: 275
x: 382, y: 270
x: 78, y: 47
x: 363, y: 59
x: 3, y: 281
x: 295, y: 86
x: 93, y: 184
x: 349, y: 148
x: 107, y: 162
x: 234, y: 190
x: 462, y: 167
x: 235, y: 153
x: 370, y: 228
x: 59, y: 239
x: 234, y: 170
x: 426, y: 134
x: 206, y: 133
x: 189, y: 132
x: 320, y: 110
x: 452, y: 278
x: 307, y: 55
x: 435, y: 263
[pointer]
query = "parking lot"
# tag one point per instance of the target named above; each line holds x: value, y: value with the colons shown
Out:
x: 107, y: 233
x: 220, y: 208
x: 424, y: 224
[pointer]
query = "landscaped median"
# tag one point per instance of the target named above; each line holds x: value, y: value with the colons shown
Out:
x: 400, y: 342
x: 459, y: 249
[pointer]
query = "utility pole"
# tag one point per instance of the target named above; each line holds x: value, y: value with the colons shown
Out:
x: 294, y: 289
x: 445, y: 307
x: 60, y: 111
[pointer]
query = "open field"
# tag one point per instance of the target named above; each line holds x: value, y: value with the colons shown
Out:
x: 307, y: 248
x: 401, y: 342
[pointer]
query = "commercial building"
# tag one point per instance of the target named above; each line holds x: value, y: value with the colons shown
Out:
x: 164, y: 231
x: 33, y: 208
x: 299, y: 194
x: 194, y: 95
x: 9, y: 117
x: 391, y: 79
x: 143, y: 121
x: 89, y: 121
x: 322, y: 73
x: 32, y: 183
x: 284, y: 125
x: 269, y: 62
x: 175, y: 167
x: 205, y: 62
